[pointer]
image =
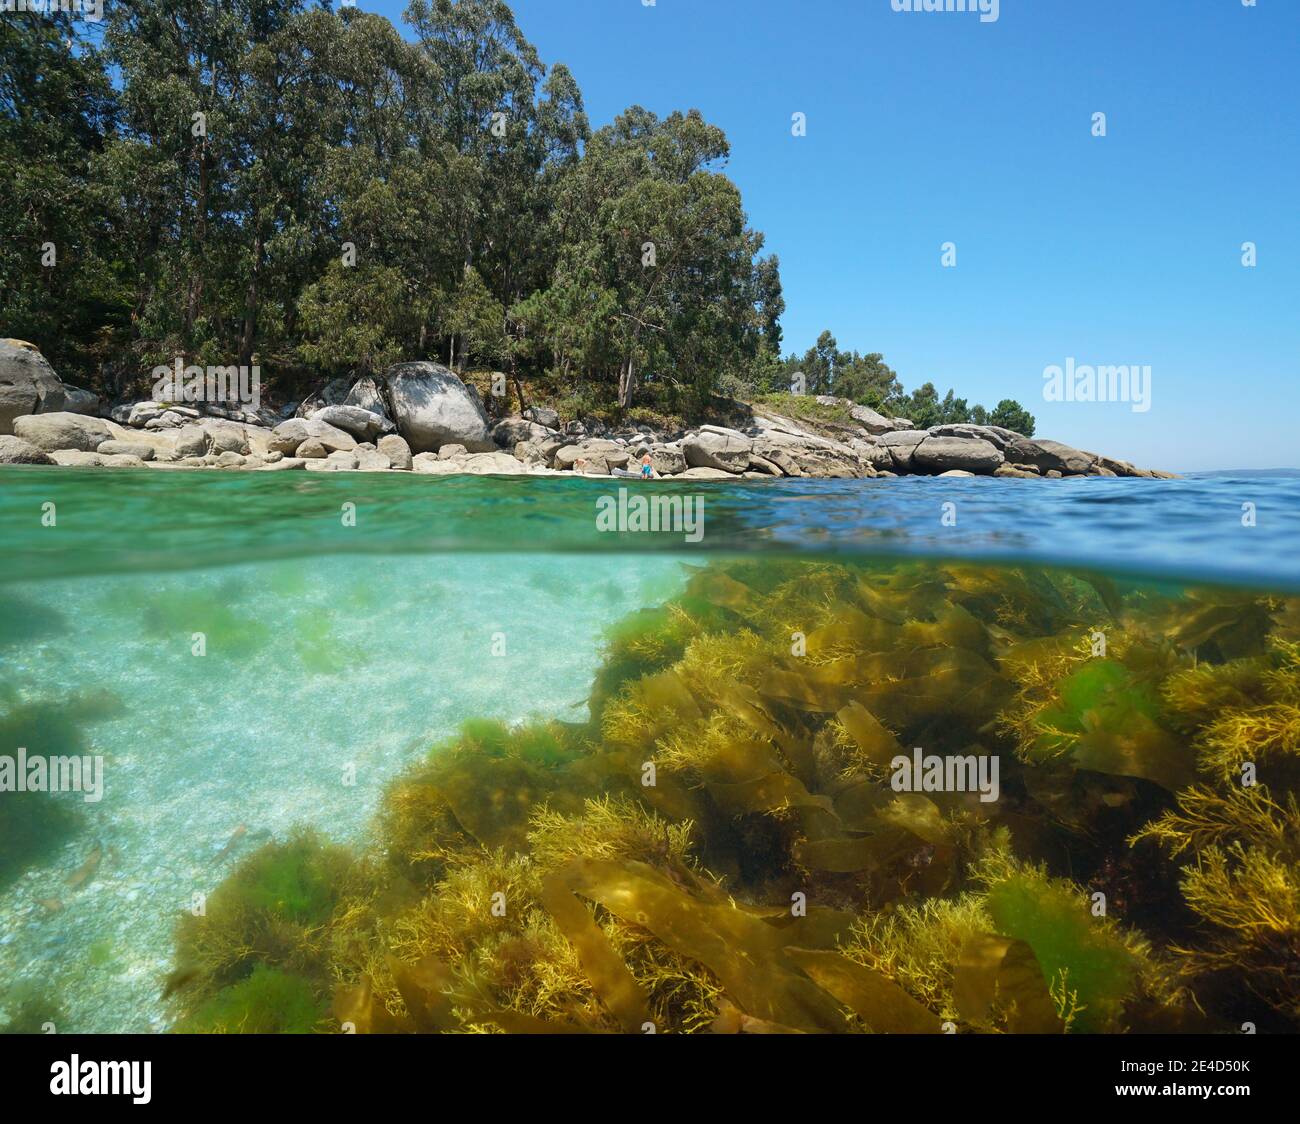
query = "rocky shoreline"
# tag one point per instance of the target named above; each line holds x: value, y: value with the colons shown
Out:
x: 422, y: 418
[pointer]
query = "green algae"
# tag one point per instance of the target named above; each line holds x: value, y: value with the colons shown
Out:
x: 34, y: 825
x: 32, y: 1007
x: 1075, y: 956
x: 179, y: 615
x: 268, y: 1002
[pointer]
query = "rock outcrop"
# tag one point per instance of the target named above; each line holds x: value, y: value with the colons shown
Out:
x: 422, y: 417
x: 28, y: 384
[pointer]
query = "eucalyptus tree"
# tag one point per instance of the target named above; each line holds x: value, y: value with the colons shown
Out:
x: 61, y: 277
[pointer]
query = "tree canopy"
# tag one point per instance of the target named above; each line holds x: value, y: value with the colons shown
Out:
x: 301, y: 186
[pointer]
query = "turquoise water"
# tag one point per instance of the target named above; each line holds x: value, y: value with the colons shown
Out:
x: 110, y: 521
x: 315, y: 667
x: 335, y: 650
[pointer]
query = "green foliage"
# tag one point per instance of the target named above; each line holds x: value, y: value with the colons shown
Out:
x: 306, y: 188
x: 268, y: 1002
x: 293, y: 881
x: 270, y: 912
x: 866, y: 379
x: 803, y: 407
x: 1010, y: 414
x: 828, y: 370
x: 58, y: 118
x: 352, y: 319
x: 28, y: 1007
x: 1078, y: 956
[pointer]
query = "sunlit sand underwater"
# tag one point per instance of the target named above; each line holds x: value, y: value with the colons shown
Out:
x: 321, y: 679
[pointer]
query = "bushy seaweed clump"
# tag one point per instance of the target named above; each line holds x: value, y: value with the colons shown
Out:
x: 257, y: 956
x: 720, y: 846
x: 34, y: 825
x: 31, y: 1007
x: 1236, y: 831
x: 267, y: 1002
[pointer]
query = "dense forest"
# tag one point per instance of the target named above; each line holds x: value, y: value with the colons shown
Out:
x: 304, y: 188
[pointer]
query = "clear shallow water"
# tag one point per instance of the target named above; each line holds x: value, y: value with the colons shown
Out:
x: 331, y: 647
x: 111, y: 521
x: 313, y: 666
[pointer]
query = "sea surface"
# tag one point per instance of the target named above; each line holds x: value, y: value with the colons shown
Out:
x: 252, y: 652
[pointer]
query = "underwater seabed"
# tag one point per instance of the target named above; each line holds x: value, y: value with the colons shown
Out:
x: 722, y: 845
x: 321, y: 678
x: 722, y: 842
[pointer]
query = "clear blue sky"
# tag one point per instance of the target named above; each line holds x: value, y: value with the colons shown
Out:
x: 925, y: 128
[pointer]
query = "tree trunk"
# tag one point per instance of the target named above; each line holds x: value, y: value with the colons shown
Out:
x: 626, y: 384
x: 250, y: 307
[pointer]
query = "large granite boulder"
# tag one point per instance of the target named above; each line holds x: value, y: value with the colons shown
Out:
x: 993, y: 434
x: 595, y: 456
x: 543, y: 415
x: 873, y: 453
x: 28, y: 384
x: 876, y: 423
x: 509, y: 432
x: 474, y: 464
x: 367, y: 393
x: 14, y: 450
x: 668, y: 459
x: 289, y: 435
x: 78, y: 401
x: 1049, y: 455
x: 432, y: 407
x: 727, y: 450
x: 116, y: 448
x: 363, y: 424
x: 945, y: 454
x: 902, y: 444
x: 61, y: 430
x: 190, y: 441
x: 540, y: 452
x: 225, y: 436
x: 333, y: 393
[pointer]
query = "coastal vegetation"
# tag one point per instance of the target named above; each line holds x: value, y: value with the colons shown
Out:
x: 306, y: 188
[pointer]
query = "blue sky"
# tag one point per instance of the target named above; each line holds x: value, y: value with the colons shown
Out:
x: 925, y: 128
